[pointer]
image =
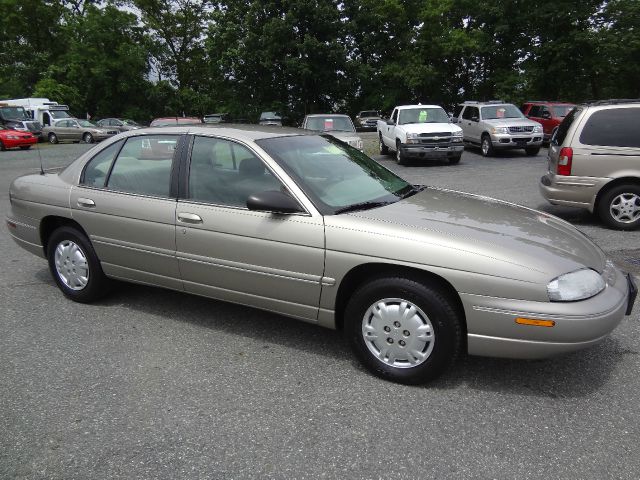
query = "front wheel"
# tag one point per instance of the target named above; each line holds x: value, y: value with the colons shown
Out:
x: 87, y: 137
x: 455, y: 159
x: 75, y: 266
x: 532, y: 151
x: 384, y: 150
x: 486, y: 146
x: 620, y: 207
x: 400, y: 158
x: 403, y: 330
x: 53, y: 138
x: 2, y: 147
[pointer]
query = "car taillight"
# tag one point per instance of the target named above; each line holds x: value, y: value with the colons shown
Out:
x: 564, y: 161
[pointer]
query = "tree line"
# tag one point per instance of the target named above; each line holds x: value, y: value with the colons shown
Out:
x: 147, y: 58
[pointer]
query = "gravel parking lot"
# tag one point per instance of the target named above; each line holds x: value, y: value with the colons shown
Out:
x: 157, y: 384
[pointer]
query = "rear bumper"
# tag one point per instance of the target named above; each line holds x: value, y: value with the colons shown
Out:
x: 493, y: 331
x: 571, y: 191
x: 445, y: 150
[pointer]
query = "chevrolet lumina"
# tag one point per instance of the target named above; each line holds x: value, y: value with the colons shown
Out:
x: 307, y: 226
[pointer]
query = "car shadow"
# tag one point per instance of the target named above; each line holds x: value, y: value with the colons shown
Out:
x: 569, y: 376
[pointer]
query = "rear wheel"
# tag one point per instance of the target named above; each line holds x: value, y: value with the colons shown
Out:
x: 53, y: 138
x: 486, y: 146
x: 403, y: 330
x: 87, y: 137
x: 384, y: 150
x: 531, y: 151
x: 2, y: 147
x: 75, y: 267
x: 620, y: 207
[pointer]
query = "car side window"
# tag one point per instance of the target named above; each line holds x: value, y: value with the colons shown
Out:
x: 143, y: 165
x: 535, y: 111
x: 227, y: 173
x: 96, y: 170
x: 469, y: 113
x: 613, y: 127
x: 394, y: 117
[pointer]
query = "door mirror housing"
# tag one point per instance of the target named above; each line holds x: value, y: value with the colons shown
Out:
x: 546, y: 115
x: 273, y: 201
x: 475, y: 119
x: 390, y: 122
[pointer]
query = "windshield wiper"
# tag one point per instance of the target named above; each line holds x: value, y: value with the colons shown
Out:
x: 361, y: 206
x: 414, y: 189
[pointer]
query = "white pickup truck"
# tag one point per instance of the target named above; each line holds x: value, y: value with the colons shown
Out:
x: 420, y: 132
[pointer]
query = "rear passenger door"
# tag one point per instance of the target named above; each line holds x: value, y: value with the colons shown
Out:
x: 226, y: 251
x: 126, y: 205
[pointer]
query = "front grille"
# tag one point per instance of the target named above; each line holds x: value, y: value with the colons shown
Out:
x: 435, y: 138
x: 528, y: 128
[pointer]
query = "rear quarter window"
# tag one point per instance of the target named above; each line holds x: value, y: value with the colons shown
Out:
x: 614, y: 127
x: 564, y: 126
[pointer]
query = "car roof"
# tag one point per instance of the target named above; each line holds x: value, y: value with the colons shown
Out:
x: 406, y: 107
x: 244, y: 132
x: 327, y: 115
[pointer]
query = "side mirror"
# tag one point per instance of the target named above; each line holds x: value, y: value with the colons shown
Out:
x: 546, y: 115
x: 273, y: 201
x: 475, y: 119
x: 390, y: 122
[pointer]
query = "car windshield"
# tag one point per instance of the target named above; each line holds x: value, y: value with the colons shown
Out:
x: 86, y: 123
x: 59, y: 114
x: 507, y: 110
x: 330, y: 124
x: 336, y: 177
x: 423, y: 115
x: 14, y: 113
x: 561, y: 110
x: 369, y: 113
x: 270, y: 116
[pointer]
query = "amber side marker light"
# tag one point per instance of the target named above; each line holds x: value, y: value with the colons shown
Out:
x: 535, y: 323
x: 11, y: 224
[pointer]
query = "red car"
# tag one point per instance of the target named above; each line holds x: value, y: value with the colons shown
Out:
x: 549, y: 114
x: 16, y: 138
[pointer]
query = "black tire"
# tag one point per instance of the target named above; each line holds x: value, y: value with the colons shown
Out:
x: 613, y: 211
x: 26, y: 147
x: 532, y: 151
x: 432, y: 301
x: 455, y: 160
x: 400, y: 158
x: 53, y: 138
x: 87, y: 137
x: 97, y: 284
x: 2, y: 147
x: 486, y: 147
x: 384, y: 150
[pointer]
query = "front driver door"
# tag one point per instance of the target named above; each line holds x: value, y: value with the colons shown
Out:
x: 225, y: 251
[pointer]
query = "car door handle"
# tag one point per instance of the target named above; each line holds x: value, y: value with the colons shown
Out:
x: 86, y: 202
x: 189, y: 218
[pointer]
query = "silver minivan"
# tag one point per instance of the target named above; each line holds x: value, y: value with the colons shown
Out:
x: 594, y: 162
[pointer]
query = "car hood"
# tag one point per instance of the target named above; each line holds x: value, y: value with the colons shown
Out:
x: 473, y: 233
x: 430, y: 127
x: 344, y: 136
x: 510, y: 122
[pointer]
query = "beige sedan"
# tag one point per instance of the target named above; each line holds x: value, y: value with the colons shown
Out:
x: 76, y: 130
x: 307, y: 226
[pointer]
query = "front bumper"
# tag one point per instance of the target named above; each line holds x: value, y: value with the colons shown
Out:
x: 517, y: 140
x: 444, y: 150
x: 493, y: 331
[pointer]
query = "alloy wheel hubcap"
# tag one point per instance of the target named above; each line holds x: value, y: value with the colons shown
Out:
x: 625, y: 208
x: 398, y: 333
x: 71, y: 265
x: 485, y: 147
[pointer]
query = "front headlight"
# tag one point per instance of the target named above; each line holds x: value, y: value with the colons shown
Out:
x: 576, y: 285
x: 500, y: 130
x: 412, y: 138
x: 537, y: 129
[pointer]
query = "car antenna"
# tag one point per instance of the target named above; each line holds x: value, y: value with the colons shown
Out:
x: 40, y: 157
